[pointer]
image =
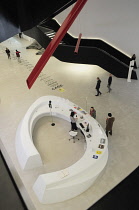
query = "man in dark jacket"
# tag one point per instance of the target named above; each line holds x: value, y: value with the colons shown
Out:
x: 109, y: 83
x: 109, y: 124
x: 98, y: 86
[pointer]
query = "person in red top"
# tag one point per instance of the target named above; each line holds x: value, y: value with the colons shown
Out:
x: 109, y: 124
x: 18, y: 55
x: 93, y: 112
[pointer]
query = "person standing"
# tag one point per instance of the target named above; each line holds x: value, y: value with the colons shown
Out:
x: 73, y: 121
x: 109, y: 83
x: 98, y: 86
x: 93, y: 112
x: 109, y: 124
x: 134, y: 58
x: 8, y: 53
x: 18, y: 55
x: 20, y: 35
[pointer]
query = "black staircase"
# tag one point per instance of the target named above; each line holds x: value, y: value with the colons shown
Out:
x: 91, y: 51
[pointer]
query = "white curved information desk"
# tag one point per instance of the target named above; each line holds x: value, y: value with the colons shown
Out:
x: 62, y: 185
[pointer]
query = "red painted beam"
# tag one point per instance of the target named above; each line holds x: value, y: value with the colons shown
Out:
x: 55, y: 42
x: 77, y: 44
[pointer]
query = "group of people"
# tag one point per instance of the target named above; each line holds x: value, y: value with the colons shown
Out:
x: 9, y: 55
x: 109, y: 121
x: 108, y: 85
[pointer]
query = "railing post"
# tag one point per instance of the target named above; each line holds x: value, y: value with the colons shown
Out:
x: 77, y: 44
x: 131, y: 65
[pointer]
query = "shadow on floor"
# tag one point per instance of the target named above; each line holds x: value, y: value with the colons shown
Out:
x: 125, y: 196
x: 10, y: 198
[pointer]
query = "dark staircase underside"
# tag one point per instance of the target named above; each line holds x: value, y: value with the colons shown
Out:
x: 91, y: 51
x: 18, y: 16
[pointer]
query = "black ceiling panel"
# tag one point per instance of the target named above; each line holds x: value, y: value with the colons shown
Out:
x: 22, y: 15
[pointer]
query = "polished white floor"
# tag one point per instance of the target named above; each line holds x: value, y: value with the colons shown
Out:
x: 52, y: 142
x: 79, y: 87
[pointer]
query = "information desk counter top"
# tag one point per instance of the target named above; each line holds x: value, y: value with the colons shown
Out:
x: 69, y: 182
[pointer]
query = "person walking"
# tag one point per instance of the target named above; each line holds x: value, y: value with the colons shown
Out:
x: 8, y: 53
x: 73, y: 121
x: 109, y: 124
x: 93, y: 112
x: 109, y: 83
x: 18, y: 55
x: 98, y: 86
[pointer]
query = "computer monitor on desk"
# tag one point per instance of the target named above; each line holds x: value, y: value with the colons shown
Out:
x: 81, y: 125
x: 87, y: 129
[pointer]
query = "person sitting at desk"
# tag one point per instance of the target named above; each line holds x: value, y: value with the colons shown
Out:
x: 73, y: 122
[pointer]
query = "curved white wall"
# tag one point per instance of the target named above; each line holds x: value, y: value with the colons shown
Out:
x: 116, y: 22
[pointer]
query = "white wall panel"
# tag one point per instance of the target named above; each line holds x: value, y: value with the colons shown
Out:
x: 115, y: 22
